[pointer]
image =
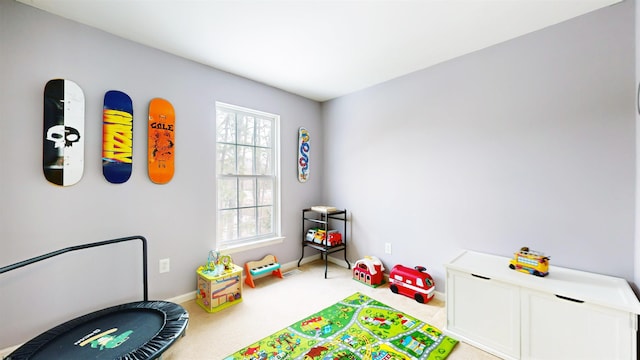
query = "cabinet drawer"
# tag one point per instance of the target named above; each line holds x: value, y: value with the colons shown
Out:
x: 559, y: 327
x: 484, y: 311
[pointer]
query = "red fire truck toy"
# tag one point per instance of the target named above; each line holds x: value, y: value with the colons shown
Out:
x: 415, y: 283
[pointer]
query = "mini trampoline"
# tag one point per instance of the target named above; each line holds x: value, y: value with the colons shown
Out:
x: 137, y: 330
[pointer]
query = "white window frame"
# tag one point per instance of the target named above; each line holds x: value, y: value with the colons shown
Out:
x: 241, y: 244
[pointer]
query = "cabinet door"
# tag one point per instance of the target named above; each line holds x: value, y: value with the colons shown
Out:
x: 484, y: 312
x: 561, y: 328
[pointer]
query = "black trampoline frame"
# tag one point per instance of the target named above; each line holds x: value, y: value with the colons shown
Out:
x: 145, y: 283
x: 176, y: 317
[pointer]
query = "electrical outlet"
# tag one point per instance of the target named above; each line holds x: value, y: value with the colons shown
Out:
x: 165, y: 265
x: 387, y: 248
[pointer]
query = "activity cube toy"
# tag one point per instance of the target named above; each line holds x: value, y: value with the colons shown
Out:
x: 219, y: 291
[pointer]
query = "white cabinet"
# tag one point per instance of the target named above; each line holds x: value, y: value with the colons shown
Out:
x: 568, y: 314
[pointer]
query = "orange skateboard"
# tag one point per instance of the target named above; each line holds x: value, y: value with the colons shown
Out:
x: 162, y: 122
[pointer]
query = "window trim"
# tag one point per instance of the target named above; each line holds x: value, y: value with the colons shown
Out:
x: 253, y: 243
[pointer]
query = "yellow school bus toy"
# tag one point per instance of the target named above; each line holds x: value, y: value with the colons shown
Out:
x: 531, y: 262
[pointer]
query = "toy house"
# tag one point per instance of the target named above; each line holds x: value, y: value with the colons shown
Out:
x: 369, y: 270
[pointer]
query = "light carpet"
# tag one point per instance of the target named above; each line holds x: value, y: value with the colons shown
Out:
x: 277, y: 303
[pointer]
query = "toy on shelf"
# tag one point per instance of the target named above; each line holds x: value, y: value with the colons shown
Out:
x: 319, y: 236
x: 415, y: 283
x: 369, y: 271
x: 530, y: 262
x: 334, y: 238
x: 257, y: 268
x: 311, y: 234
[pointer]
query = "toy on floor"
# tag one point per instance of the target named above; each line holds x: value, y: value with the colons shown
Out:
x: 530, y: 262
x: 415, y: 283
x: 369, y: 271
x: 217, y: 292
x: 217, y: 264
x: 257, y: 268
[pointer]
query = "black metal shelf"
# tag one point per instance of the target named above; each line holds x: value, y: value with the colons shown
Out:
x: 328, y: 249
x: 324, y: 219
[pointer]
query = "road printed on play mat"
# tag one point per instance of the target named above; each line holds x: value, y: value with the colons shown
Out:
x: 356, y: 328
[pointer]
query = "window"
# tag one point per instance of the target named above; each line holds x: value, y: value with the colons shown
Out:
x: 248, y: 177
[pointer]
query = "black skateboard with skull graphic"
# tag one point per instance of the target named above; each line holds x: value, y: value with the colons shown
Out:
x: 63, y: 132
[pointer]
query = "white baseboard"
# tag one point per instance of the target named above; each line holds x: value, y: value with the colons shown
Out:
x: 288, y: 266
x: 438, y: 295
x: 183, y: 298
x: 284, y: 267
x: 294, y: 264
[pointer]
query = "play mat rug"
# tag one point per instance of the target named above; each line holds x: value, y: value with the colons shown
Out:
x: 355, y: 328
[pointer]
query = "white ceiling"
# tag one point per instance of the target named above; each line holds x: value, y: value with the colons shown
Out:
x: 319, y: 49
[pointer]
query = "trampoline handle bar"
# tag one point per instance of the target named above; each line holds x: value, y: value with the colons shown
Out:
x: 145, y: 284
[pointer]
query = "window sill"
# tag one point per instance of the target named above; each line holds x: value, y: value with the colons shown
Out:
x: 253, y: 245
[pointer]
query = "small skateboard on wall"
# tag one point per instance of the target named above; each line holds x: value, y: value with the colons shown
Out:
x: 117, y: 137
x: 303, y: 154
x: 63, y: 132
x: 161, y: 146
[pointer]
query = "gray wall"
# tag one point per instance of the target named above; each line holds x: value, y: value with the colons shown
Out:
x: 530, y: 142
x: 178, y: 218
x: 637, y: 99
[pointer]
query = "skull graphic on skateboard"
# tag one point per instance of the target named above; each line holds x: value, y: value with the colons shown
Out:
x: 63, y: 132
